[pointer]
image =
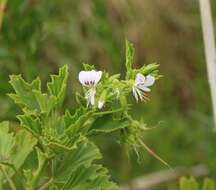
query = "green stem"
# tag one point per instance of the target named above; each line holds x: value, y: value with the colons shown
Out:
x: 2, y: 11
x: 44, y: 186
x: 10, y: 182
x: 151, y: 152
x: 125, y: 164
x: 108, y: 112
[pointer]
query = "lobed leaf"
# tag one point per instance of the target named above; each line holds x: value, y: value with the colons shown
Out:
x: 24, y: 95
x: 46, y: 102
x: 14, y: 149
x: 83, y: 155
x: 94, y: 177
x: 57, y: 86
x: 31, y: 124
x: 7, y: 142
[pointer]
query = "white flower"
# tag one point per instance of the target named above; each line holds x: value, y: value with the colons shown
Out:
x: 90, y: 79
x: 141, y: 86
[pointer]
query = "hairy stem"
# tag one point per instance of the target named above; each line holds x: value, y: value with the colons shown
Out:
x: 107, y: 112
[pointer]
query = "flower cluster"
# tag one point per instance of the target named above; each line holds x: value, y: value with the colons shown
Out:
x: 90, y: 79
x: 101, y: 88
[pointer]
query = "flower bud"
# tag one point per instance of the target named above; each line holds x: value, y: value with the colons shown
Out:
x: 101, y: 104
x: 102, y: 99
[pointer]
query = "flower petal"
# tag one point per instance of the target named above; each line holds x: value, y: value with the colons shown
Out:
x: 144, y: 88
x: 135, y: 94
x: 82, y: 77
x: 140, y: 79
x: 90, y: 78
x: 149, y: 81
x: 97, y: 76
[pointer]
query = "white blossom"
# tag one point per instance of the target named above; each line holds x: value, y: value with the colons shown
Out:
x: 141, y: 86
x: 90, y: 79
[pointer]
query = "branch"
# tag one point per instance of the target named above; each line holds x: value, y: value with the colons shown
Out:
x: 155, y: 179
x: 210, y: 50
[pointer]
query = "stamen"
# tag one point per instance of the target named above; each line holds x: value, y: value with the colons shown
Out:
x: 86, y: 82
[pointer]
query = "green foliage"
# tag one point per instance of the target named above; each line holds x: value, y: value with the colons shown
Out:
x: 38, y: 37
x: 192, y: 184
x: 57, y: 86
x: 145, y: 70
x: 64, y: 153
x: 14, y: 149
x: 25, y: 93
x: 94, y: 177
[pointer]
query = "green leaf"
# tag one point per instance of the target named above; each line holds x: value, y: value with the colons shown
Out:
x: 75, y: 124
x: 61, y: 144
x: 188, y: 184
x: 57, y: 86
x: 14, y: 149
x: 88, y: 67
x: 24, y: 145
x: 94, y: 177
x: 149, y: 69
x: 46, y: 102
x: 84, y: 154
x: 71, y: 119
x: 7, y: 142
x: 32, y: 177
x: 29, y: 95
x: 31, y: 124
x: 106, y: 124
x: 24, y: 92
x: 208, y: 184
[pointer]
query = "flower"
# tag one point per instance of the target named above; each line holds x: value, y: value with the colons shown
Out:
x: 90, y: 79
x: 141, y: 86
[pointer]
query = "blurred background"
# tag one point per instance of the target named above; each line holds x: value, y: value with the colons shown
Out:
x: 39, y: 36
